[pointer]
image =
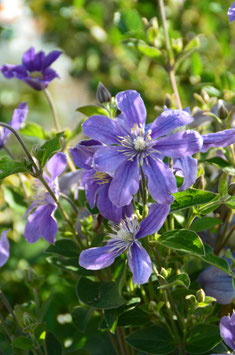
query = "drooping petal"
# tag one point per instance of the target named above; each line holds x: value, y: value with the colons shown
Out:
x: 179, y: 144
x: 48, y: 75
x: 218, y: 139
x: 70, y: 180
x: 188, y: 166
x: 83, y: 153
x: 97, y: 258
x: 56, y: 165
x: 231, y: 12
x: 36, y: 84
x: 101, y: 128
x: 132, y: 107
x: 19, y: 116
x: 125, y: 183
x: 41, y: 223
x: 140, y: 263
x: 4, y: 248
x: 168, y: 121
x: 91, y: 186
x: 108, y: 159
x: 106, y: 207
x: 227, y: 331
x: 51, y: 57
x: 14, y: 71
x: 161, y: 181
x: 154, y: 220
x: 28, y: 59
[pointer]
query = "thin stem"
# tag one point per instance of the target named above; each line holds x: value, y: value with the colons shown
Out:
x: 65, y: 197
x: 121, y: 342
x: 111, y: 337
x: 233, y: 154
x: 53, y: 109
x: 226, y: 239
x: 9, y: 308
x: 5, y: 326
x: 175, y: 88
x: 223, y: 237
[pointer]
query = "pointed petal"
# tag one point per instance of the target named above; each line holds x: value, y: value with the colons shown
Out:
x: 56, y: 165
x: 101, y: 128
x: 19, y: 116
x: 106, y: 207
x: 140, y: 263
x: 14, y: 71
x: 97, y: 258
x: 37, y: 64
x: 125, y: 183
x: 188, y: 166
x: 4, y: 248
x: 154, y: 220
x: 82, y: 154
x: 91, y: 186
x: 218, y: 139
x: 108, y: 159
x: 179, y: 144
x: 28, y: 59
x: 48, y: 75
x: 132, y: 107
x: 161, y: 181
x: 168, y: 121
x: 51, y: 57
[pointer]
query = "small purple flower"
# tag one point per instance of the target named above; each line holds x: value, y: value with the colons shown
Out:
x: 97, y: 183
x: 19, y: 116
x: 35, y: 69
x: 125, y: 238
x: 41, y: 222
x: 133, y: 148
x: 231, y: 12
x: 4, y: 248
x: 227, y: 330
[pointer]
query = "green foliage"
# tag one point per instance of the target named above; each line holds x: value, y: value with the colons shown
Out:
x: 191, y: 197
x: 9, y: 167
x: 44, y: 152
x: 202, y: 338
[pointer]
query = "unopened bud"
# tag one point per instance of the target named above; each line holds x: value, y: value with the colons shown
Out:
x: 200, y: 295
x: 231, y: 189
x: 222, y: 111
x: 199, y: 183
x: 167, y: 101
x: 102, y: 94
x: 154, y: 22
x: 164, y: 272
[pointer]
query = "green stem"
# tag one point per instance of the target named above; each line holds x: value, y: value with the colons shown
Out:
x: 9, y: 308
x: 5, y: 326
x: 223, y: 238
x: 53, y: 109
x: 65, y: 197
x: 121, y: 342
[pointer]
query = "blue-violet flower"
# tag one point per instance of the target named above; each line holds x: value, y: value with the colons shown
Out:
x: 4, y: 248
x: 231, y: 12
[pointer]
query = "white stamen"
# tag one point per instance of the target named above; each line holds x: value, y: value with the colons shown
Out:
x: 139, y: 143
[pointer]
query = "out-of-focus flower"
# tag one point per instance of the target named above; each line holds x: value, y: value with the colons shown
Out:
x: 35, y: 69
x: 125, y: 238
x: 227, y: 330
x: 4, y: 248
x: 19, y: 116
x: 40, y: 215
x: 231, y: 12
x: 10, y: 11
x: 133, y: 148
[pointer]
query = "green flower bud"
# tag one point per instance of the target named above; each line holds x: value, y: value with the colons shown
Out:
x: 103, y: 95
x: 222, y: 111
x: 231, y: 189
x: 200, y: 295
x: 199, y: 183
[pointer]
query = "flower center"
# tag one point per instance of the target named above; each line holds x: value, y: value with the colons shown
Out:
x: 139, y: 143
x: 36, y: 74
x: 125, y: 235
x: 101, y: 178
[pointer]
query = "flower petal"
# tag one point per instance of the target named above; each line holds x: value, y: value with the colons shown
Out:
x: 161, y: 181
x: 227, y: 331
x: 97, y: 258
x: 154, y: 220
x: 102, y: 128
x: 188, y: 166
x: 91, y: 186
x: 14, y: 71
x: 83, y: 153
x: 132, y: 107
x: 125, y: 183
x: 28, y: 59
x: 140, y: 263
x: 218, y: 139
x: 51, y: 57
x: 56, y: 165
x: 231, y: 12
x: 108, y: 159
x: 48, y: 75
x: 41, y: 223
x: 106, y: 207
x: 168, y: 121
x: 19, y: 116
x: 4, y: 248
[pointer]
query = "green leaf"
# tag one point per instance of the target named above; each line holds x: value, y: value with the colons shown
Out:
x: 133, y: 318
x: 222, y: 164
x: 111, y: 318
x: 191, y: 197
x: 129, y: 21
x: 9, y: 167
x: 196, y: 64
x: 81, y: 317
x: 183, y: 240
x: 68, y: 264
x: 23, y: 343
x: 223, y: 185
x: 147, y: 50
x: 204, y: 223
x: 154, y: 340
x: 32, y: 129
x: 214, y: 260
x: 181, y: 280
x: 48, y: 149
x: 91, y: 110
x: 64, y: 247
x: 53, y: 345
x: 192, y: 44
x: 231, y: 202
x: 202, y: 338
x: 102, y: 295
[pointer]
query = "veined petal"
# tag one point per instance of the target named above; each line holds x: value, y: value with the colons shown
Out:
x: 56, y: 165
x: 132, y: 107
x: 125, y: 183
x: 218, y: 139
x: 154, y: 220
x: 101, y: 128
x: 168, y: 121
x: 51, y: 57
x: 106, y: 207
x: 188, y: 166
x: 161, y: 181
x: 179, y: 144
x: 4, y: 248
x: 108, y: 159
x: 82, y: 154
x: 140, y: 263
x: 98, y: 258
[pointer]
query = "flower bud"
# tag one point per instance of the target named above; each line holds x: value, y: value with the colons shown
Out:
x: 164, y: 272
x: 222, y: 111
x: 200, y: 295
x: 231, y: 189
x: 199, y: 183
x: 103, y: 95
x: 167, y: 101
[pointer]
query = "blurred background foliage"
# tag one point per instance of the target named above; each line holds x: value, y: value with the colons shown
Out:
x: 121, y: 43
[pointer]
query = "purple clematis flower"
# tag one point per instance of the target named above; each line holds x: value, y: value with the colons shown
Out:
x: 4, y: 248
x: 35, y: 69
x: 19, y: 116
x: 126, y: 238
x: 227, y: 330
x: 40, y: 220
x: 231, y: 12
x: 134, y: 149
x: 97, y: 183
